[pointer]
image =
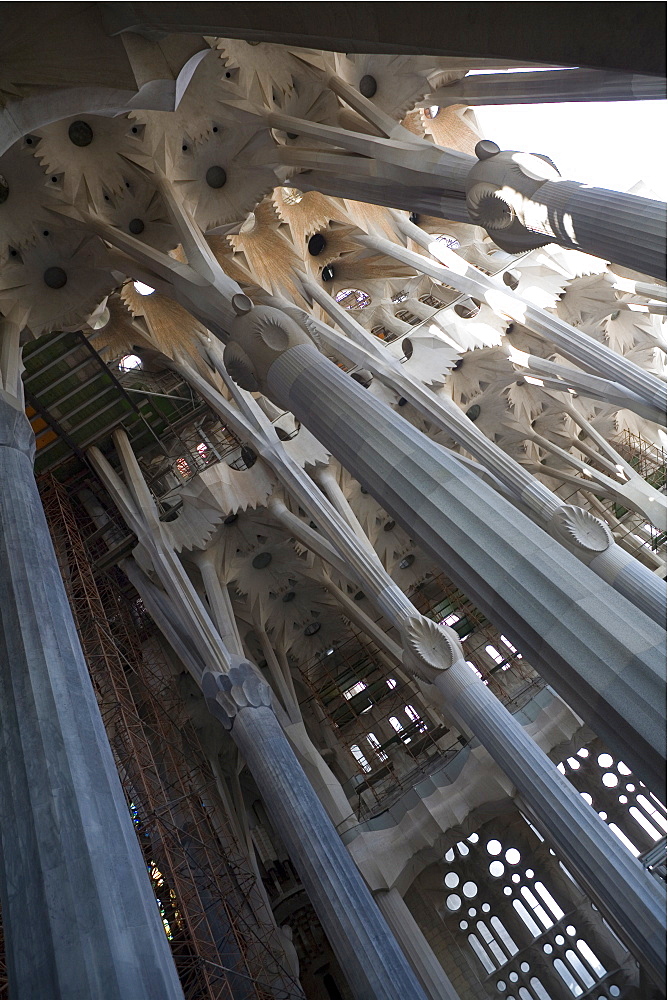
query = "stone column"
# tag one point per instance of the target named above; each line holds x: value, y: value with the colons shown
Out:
x: 80, y: 917
x: 549, y: 87
x: 517, y: 195
x: 633, y: 901
x: 570, y: 342
x: 415, y: 946
x: 625, y: 228
x: 637, y: 582
x: 591, y: 644
x: 364, y: 946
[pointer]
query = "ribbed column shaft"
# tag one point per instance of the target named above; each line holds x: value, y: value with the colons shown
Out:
x: 592, y: 645
x: 550, y: 87
x: 426, y: 195
x: 623, y: 228
x: 415, y: 946
x: 365, y: 948
x: 81, y: 921
x: 630, y: 898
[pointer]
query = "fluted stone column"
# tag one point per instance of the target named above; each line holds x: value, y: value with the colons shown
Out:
x: 592, y: 645
x: 415, y: 946
x: 517, y: 196
x: 624, y: 228
x: 555, y: 86
x: 80, y: 918
x: 365, y: 948
x: 592, y: 542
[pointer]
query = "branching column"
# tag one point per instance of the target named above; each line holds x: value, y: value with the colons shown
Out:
x: 80, y: 916
x: 589, y: 642
x: 622, y: 227
x: 549, y: 87
x: 374, y: 965
x: 514, y: 195
x: 239, y: 698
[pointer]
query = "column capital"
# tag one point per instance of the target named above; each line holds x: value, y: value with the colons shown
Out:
x: 257, y: 338
x: 228, y: 694
x: 429, y: 649
x: 498, y: 188
x: 579, y: 530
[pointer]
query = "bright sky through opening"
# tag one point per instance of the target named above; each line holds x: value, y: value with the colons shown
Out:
x: 612, y: 145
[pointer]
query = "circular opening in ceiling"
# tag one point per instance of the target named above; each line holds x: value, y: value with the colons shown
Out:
x: 407, y: 561
x: 292, y: 196
x: 216, y: 177
x: 328, y: 273
x: 262, y: 560
x: 467, y: 311
x: 80, y: 133
x: 55, y: 277
x: 312, y: 628
x: 353, y: 298
x: 368, y: 85
x: 316, y: 244
x: 143, y: 289
x: 136, y: 227
x: 129, y: 362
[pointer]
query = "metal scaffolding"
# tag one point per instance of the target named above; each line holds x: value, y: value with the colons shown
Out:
x: 389, y: 735
x: 213, y: 909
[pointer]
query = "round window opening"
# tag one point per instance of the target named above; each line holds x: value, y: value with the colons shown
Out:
x: 353, y: 298
x: 129, y: 362
x: 261, y: 560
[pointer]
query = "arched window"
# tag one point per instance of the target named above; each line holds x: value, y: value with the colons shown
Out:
x: 182, y: 468
x: 374, y: 742
x: 360, y: 758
